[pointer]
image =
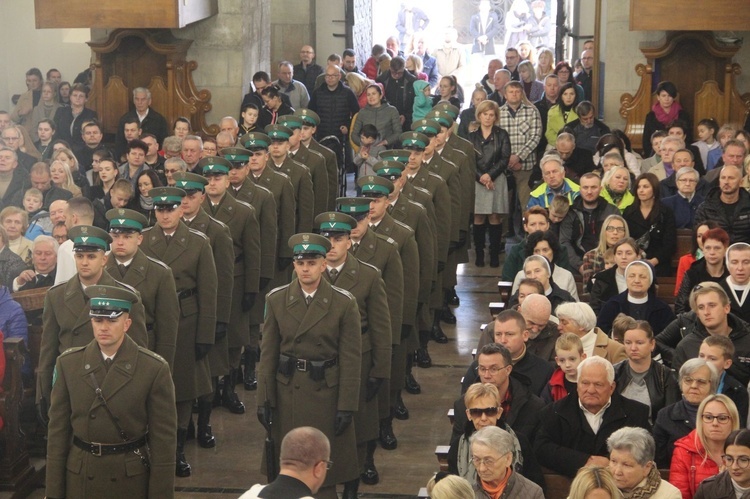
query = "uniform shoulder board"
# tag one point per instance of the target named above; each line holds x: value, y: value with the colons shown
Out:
x: 275, y: 290
x: 199, y: 233
x: 387, y: 239
x: 344, y: 292
x: 129, y: 288
x: 73, y: 350
x: 282, y: 173
x: 260, y: 187
x: 218, y: 222
x: 433, y: 174
x: 370, y: 265
x: 158, y: 262
x: 423, y: 190
x: 417, y: 203
x: 146, y: 229
x: 403, y: 225
x: 316, y: 153
x: 246, y: 204
x: 154, y: 355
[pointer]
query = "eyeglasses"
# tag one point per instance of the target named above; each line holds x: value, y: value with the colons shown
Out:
x: 722, y: 418
x: 489, y: 411
x: 487, y: 461
x: 492, y: 370
x: 612, y: 228
x: 12, y: 139
x: 329, y: 464
x: 742, y: 461
x: 699, y: 381
x: 688, y: 181
x: 332, y: 76
x: 167, y: 170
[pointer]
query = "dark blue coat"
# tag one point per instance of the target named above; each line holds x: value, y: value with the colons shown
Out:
x: 657, y: 313
x: 684, y: 210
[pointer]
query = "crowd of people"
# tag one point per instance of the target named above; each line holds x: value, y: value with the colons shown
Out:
x: 194, y: 245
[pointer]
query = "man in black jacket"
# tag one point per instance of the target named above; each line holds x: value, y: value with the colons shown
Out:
x: 574, y: 430
x: 728, y: 205
x: 587, y: 129
x: 307, y: 70
x: 151, y: 121
x: 399, y: 90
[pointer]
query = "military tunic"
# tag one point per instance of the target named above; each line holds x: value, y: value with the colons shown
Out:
x: 328, y: 329
x: 153, y: 280
x: 332, y: 166
x: 189, y: 256
x: 364, y: 282
x: 139, y: 391
x: 304, y: 197
x: 315, y: 162
x: 67, y: 324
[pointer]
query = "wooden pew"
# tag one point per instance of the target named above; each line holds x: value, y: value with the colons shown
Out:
x: 504, y: 288
x: 441, y: 451
x: 684, y: 245
x: 496, y: 307
x: 665, y: 289
x: 451, y: 416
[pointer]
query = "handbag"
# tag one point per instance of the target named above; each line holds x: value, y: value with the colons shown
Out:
x: 644, y: 241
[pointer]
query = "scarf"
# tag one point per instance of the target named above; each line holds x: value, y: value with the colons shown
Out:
x: 147, y: 203
x: 665, y: 118
x: 616, y: 197
x: 653, y: 480
x: 496, y: 492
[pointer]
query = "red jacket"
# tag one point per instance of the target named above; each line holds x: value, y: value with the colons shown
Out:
x: 688, y: 468
x: 557, y: 385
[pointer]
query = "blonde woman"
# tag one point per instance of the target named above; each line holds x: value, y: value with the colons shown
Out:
x: 63, y: 178
x: 594, y: 482
x: 443, y: 486
x: 359, y: 84
x: 613, y: 229
x: 616, y: 184
x: 545, y: 64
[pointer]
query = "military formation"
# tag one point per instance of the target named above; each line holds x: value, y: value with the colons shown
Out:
x: 255, y: 274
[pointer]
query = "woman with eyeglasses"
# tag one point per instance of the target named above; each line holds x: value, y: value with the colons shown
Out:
x: 710, y: 267
x: 698, y: 379
x: 483, y: 409
x: 631, y: 462
x: 614, y: 228
x: 492, y: 454
x: 564, y: 73
x: 611, y: 282
x: 698, y: 455
x: 734, y: 481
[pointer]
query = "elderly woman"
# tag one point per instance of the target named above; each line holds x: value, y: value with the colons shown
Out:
x: 594, y: 482
x: 492, y: 146
x: 698, y: 455
x: 545, y: 243
x: 533, y: 88
x: 641, y: 378
x: 538, y: 268
x: 652, y: 224
x: 15, y: 221
x: 631, y: 462
x: 611, y: 282
x: 664, y: 111
x: 616, y: 183
x: 483, y: 409
x: 698, y: 379
x: 379, y: 113
x: 444, y: 486
x: 638, y: 301
x: 710, y: 268
x: 561, y: 113
x: 734, y: 481
x: 685, y: 203
x: 492, y: 452
x: 578, y: 318
x: 614, y: 228
x: 182, y: 127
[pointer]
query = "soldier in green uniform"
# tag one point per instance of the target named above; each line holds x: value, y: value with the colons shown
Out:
x: 280, y: 185
x: 243, y: 225
x: 310, y: 359
x: 112, y: 418
x: 65, y: 320
x: 363, y: 280
x: 298, y: 173
x: 151, y: 278
x: 220, y: 239
x: 310, y: 122
x: 449, y: 172
x: 382, y: 252
x: 188, y: 253
x: 313, y: 160
x: 265, y: 211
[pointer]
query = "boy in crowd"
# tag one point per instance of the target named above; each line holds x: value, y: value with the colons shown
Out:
x: 719, y: 351
x: 568, y: 354
x: 368, y: 152
x: 39, y: 221
x: 249, y: 118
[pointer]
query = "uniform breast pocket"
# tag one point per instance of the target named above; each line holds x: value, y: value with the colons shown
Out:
x: 75, y: 462
x: 189, y: 306
x: 282, y: 379
x: 332, y: 376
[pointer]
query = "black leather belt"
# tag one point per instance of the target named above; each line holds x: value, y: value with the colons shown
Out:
x: 97, y: 449
x: 187, y: 293
x: 305, y: 365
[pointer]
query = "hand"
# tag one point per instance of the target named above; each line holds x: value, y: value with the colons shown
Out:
x: 373, y: 386
x: 265, y: 419
x: 364, y: 154
x: 264, y: 283
x: 441, y: 266
x: 248, y: 300
x: 597, y: 461
x: 653, y: 261
x: 344, y: 130
x: 283, y: 263
x: 201, y: 350
x: 343, y: 420
x: 402, y: 118
x: 25, y: 277
x: 514, y: 163
x: 42, y: 409
x: 221, y: 331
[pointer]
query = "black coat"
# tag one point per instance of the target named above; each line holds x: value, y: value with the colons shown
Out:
x: 68, y: 127
x: 154, y: 123
x: 307, y: 75
x: 738, y: 393
x: 537, y: 370
x: 696, y: 274
x: 661, y: 383
x: 663, y: 239
x: 493, y: 152
x: 652, y: 124
x: 400, y: 94
x: 556, y: 297
x: 738, y: 227
x: 655, y: 311
x: 672, y: 423
x: 580, y: 161
x: 335, y: 108
x: 565, y: 440
x: 587, y: 138
x: 684, y: 210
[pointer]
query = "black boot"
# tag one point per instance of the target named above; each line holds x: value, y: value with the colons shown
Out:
x: 496, y: 233
x: 249, y: 379
x: 350, y: 489
x: 229, y: 398
x: 446, y: 314
x: 370, y: 474
x: 206, y: 439
x: 412, y: 386
x: 423, y: 356
x: 387, y: 439
x: 191, y: 429
x: 217, y: 392
x: 399, y: 409
x: 182, y: 468
x: 480, y: 233
x: 453, y: 299
x: 437, y: 333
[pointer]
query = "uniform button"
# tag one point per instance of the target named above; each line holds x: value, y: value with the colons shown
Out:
x: 127, y: 366
x: 87, y: 366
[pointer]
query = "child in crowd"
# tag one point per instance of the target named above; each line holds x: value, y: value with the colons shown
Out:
x: 249, y: 118
x: 725, y: 134
x: 568, y: 354
x: 368, y: 152
x: 558, y: 210
x: 719, y: 351
x: 422, y: 100
x: 621, y: 324
x: 39, y: 221
x: 656, y: 139
x: 707, y: 130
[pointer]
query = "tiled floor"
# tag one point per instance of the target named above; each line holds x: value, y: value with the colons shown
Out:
x: 234, y: 465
